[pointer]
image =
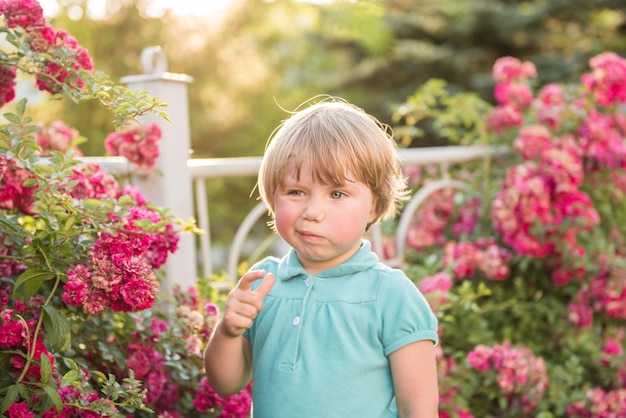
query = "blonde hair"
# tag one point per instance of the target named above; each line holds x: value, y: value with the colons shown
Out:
x: 337, y: 140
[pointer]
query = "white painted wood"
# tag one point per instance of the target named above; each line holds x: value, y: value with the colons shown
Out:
x: 169, y: 185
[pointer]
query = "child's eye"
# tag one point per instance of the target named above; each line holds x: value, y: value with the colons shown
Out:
x: 337, y: 195
x: 295, y: 193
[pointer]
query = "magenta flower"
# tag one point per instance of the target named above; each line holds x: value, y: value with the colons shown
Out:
x: 436, y: 288
x: 57, y: 136
x: 7, y: 84
x: 515, y: 94
x: 138, y: 143
x: 508, y: 69
x: 20, y: 410
x: 27, y: 14
x: 13, y: 194
x: 480, y: 358
x: 520, y: 375
x: 504, y: 117
x: 54, y: 76
x: 607, y: 81
x: 120, y: 277
x: 92, y: 181
x: 532, y: 141
x: 550, y: 106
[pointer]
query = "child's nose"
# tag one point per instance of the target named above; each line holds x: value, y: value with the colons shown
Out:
x: 314, y: 210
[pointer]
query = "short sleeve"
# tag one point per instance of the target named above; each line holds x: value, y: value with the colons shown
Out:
x: 406, y: 315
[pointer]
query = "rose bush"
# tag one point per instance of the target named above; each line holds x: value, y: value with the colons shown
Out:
x: 83, y: 329
x: 527, y: 273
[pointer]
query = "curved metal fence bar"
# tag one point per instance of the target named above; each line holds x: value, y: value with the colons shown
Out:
x: 240, y: 237
x: 409, y: 212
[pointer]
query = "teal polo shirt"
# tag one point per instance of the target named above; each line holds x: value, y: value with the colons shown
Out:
x: 321, y: 342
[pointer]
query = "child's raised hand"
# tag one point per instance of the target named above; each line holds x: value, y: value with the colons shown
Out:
x: 244, y: 304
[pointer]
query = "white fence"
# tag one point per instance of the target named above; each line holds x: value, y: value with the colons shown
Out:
x: 179, y: 177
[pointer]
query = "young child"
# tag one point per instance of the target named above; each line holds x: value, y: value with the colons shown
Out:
x: 328, y: 330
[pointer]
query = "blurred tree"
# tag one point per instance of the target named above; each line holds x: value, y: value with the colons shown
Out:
x: 377, y: 53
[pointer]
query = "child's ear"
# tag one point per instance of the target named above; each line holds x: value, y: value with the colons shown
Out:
x: 372, y: 217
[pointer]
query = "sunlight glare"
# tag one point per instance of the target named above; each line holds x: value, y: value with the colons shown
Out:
x: 156, y: 9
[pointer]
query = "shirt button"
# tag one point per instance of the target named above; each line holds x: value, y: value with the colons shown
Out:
x: 296, y: 321
x: 307, y: 281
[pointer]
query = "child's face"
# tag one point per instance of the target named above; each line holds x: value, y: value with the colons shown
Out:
x: 324, y: 223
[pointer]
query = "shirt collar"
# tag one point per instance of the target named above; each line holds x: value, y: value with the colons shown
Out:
x: 290, y: 267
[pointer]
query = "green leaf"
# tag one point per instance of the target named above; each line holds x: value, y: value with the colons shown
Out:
x: 32, y: 279
x: 12, y: 117
x: 21, y: 107
x: 57, y: 328
x: 91, y: 204
x: 71, y: 377
x: 53, y: 394
x: 46, y: 369
x: 69, y: 223
x: 126, y: 200
x: 30, y: 182
x: 12, y: 395
x: 143, y: 223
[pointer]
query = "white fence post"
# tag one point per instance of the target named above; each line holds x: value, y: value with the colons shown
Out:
x: 169, y: 185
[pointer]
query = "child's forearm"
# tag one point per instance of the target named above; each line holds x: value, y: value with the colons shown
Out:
x: 227, y: 362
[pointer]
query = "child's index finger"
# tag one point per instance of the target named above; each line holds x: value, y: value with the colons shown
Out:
x: 265, y: 287
x: 250, y: 277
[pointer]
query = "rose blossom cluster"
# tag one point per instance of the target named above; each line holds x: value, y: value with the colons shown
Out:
x: 56, y: 136
x: 92, y: 181
x: 600, y: 404
x: 429, y: 224
x: 520, y: 375
x: 196, y: 318
x: 199, y: 317
x: 436, y: 288
x: 138, y: 143
x: 234, y: 406
x: 484, y: 255
x: 540, y: 209
x: 20, y: 337
x: 604, y: 293
x: 180, y: 332
x: 149, y: 366
x: 606, y: 81
x: 28, y: 15
x: 14, y: 195
x: 448, y: 404
x: 436, y: 214
x: 164, y: 241
x: 430, y: 220
x: 119, y: 274
x: 69, y: 396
